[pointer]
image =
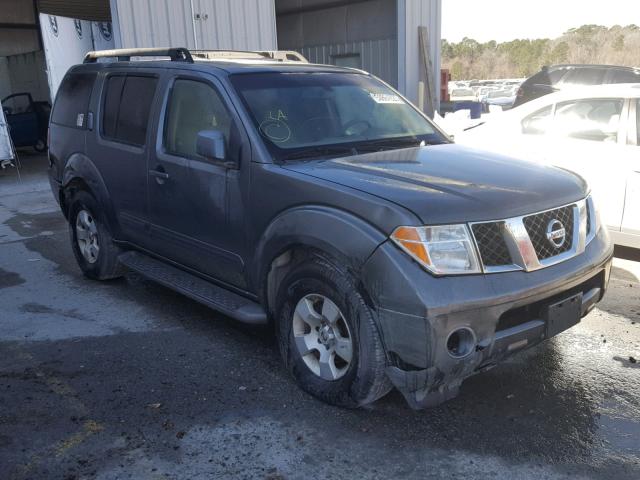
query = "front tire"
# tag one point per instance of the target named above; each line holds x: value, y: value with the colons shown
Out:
x: 327, y: 335
x: 91, y: 239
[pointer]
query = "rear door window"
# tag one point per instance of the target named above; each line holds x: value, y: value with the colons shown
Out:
x: 547, y: 77
x: 590, y: 119
x: 585, y: 76
x: 114, y: 86
x: 72, y: 100
x: 127, y: 106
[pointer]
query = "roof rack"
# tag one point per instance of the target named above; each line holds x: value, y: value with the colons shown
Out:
x: 285, y: 55
x: 179, y: 54
x: 277, y: 55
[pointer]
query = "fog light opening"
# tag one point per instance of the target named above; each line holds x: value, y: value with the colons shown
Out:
x: 461, y: 342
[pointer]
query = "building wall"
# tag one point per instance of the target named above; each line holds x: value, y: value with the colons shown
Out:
x: 201, y: 24
x: 5, y: 78
x: 411, y: 15
x: 368, y: 28
x: 14, y: 41
x: 24, y: 73
x: 27, y: 73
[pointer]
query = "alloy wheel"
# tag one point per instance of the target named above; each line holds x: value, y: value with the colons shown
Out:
x: 87, y: 236
x: 322, y: 337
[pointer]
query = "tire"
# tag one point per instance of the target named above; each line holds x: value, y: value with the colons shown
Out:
x: 40, y: 146
x: 357, y: 381
x: 103, y: 263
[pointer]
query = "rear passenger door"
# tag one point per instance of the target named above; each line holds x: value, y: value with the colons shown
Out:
x: 189, y: 195
x: 121, y: 146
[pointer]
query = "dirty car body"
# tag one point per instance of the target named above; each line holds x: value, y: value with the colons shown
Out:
x: 460, y: 258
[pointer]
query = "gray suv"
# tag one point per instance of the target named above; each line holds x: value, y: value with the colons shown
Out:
x: 318, y: 200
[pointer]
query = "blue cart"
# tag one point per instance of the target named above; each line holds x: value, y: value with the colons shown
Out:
x: 28, y: 120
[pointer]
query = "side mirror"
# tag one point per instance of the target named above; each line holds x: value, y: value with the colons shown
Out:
x: 210, y: 144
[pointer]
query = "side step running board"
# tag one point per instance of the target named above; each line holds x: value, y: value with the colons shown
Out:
x: 213, y: 296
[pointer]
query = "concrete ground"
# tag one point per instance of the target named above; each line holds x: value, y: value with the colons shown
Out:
x: 127, y: 379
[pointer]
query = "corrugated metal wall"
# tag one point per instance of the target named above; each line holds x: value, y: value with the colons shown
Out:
x: 322, y: 30
x: 379, y: 57
x: 27, y: 73
x: 411, y: 15
x: 203, y: 24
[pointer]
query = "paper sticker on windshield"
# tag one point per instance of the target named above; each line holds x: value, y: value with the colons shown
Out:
x: 385, y: 98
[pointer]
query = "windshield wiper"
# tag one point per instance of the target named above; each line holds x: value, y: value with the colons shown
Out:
x: 390, y: 144
x: 315, y: 152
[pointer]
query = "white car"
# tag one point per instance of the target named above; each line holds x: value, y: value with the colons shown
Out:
x: 593, y: 131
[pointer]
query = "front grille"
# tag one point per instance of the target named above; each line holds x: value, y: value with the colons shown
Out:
x: 537, y: 224
x: 588, y: 218
x: 490, y: 240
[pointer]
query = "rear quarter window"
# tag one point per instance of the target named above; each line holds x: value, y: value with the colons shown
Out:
x: 547, y: 77
x: 72, y: 101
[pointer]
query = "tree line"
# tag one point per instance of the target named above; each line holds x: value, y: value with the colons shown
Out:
x: 469, y: 59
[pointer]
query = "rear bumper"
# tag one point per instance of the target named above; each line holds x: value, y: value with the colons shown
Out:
x: 417, y: 312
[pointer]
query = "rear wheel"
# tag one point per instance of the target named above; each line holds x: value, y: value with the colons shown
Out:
x: 327, y: 335
x: 91, y: 240
x: 40, y: 146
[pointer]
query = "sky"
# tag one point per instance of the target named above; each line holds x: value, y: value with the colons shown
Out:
x: 504, y: 20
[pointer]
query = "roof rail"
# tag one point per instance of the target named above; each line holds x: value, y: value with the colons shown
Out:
x: 179, y: 54
x: 285, y: 55
x: 277, y: 55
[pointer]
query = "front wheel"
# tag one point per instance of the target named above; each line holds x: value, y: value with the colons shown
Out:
x: 91, y: 240
x: 328, y: 337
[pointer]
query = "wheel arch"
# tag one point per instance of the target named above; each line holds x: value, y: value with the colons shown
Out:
x: 80, y: 173
x: 338, y: 236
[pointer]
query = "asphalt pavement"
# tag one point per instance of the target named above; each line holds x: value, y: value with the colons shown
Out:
x: 127, y: 379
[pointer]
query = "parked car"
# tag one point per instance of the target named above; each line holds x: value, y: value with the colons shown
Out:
x: 27, y: 120
x: 463, y: 95
x: 500, y: 98
x: 594, y: 131
x: 317, y: 198
x: 559, y: 77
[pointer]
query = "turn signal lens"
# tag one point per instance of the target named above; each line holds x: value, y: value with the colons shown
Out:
x: 443, y: 249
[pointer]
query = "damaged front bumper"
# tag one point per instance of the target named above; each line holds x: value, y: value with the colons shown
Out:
x: 505, y: 313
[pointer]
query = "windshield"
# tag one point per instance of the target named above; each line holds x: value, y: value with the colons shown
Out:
x: 300, y: 115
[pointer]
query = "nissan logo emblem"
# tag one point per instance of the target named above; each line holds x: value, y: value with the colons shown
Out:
x: 556, y: 233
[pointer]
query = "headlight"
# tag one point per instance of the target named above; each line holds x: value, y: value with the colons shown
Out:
x: 443, y: 250
x: 594, y: 213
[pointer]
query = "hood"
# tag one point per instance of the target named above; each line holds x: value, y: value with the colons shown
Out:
x: 452, y: 184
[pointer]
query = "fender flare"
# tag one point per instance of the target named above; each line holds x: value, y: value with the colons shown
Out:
x: 340, y: 234
x: 80, y: 167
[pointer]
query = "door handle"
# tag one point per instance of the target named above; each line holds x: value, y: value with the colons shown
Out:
x: 160, y: 175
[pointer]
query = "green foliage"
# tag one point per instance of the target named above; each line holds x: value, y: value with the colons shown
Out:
x: 470, y: 59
